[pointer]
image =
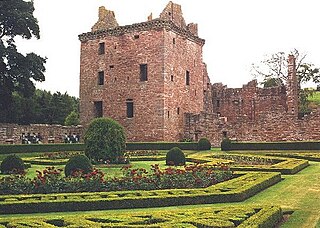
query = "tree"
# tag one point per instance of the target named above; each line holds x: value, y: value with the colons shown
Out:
x: 274, y: 72
x: 72, y: 119
x: 276, y: 66
x: 105, y: 140
x: 17, y: 71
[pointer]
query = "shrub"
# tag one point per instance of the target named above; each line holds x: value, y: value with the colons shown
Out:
x: 77, y: 163
x: 204, y: 144
x: 175, y: 156
x: 12, y: 164
x: 226, y: 144
x: 105, y: 140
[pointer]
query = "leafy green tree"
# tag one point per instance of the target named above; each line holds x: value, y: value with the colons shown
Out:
x: 72, y: 119
x: 105, y: 140
x: 17, y: 71
x: 274, y: 72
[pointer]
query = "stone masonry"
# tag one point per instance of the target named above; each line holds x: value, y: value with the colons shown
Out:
x: 166, y: 50
x: 151, y: 78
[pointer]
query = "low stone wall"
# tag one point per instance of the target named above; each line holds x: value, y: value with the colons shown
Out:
x: 12, y: 133
x: 270, y: 127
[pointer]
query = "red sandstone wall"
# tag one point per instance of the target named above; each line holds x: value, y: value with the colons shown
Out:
x: 181, y: 55
x: 122, y: 82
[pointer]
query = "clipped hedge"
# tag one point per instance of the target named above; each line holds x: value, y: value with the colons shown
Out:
x: 234, y: 190
x: 283, y: 165
x: 29, y: 148
x: 304, y: 145
x: 161, y: 145
x: 234, y: 216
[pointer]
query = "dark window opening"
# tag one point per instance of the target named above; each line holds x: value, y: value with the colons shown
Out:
x: 218, y: 103
x: 169, y: 13
x: 129, y: 103
x: 143, y: 72
x: 115, y: 79
x: 178, y: 111
x: 225, y: 134
x: 98, y: 111
x: 171, y: 78
x: 128, y: 78
x: 115, y: 46
x: 187, y: 77
x: 136, y: 37
x: 101, y: 48
x: 111, y: 66
x: 174, y: 40
x: 101, y: 78
x: 168, y: 114
x: 195, y: 92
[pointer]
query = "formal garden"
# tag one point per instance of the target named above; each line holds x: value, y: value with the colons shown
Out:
x: 107, y: 182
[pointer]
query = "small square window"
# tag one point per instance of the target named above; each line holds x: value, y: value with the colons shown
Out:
x: 136, y: 37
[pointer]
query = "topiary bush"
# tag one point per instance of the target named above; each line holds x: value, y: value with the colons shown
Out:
x: 12, y: 164
x: 105, y: 140
x: 226, y: 144
x: 78, y: 163
x: 204, y: 144
x: 175, y: 156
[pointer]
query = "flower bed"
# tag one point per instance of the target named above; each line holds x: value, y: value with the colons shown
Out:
x: 234, y: 190
x: 51, y: 180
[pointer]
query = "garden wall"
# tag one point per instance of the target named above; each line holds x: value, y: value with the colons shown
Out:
x: 11, y: 133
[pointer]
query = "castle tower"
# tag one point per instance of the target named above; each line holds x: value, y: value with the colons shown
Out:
x: 292, y: 87
x: 145, y: 75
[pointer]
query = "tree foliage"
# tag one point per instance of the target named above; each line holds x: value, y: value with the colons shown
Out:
x: 275, y: 67
x: 274, y: 72
x: 43, y: 107
x: 17, y: 71
x: 105, y: 140
x: 72, y: 119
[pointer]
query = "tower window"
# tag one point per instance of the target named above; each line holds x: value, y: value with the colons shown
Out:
x: 171, y: 78
x: 174, y: 40
x: 218, y: 103
x: 168, y: 114
x: 136, y: 37
x: 129, y: 103
x: 101, y: 78
x: 101, y: 48
x: 178, y: 111
x: 143, y: 72
x: 98, y: 111
x: 111, y: 66
x: 187, y: 77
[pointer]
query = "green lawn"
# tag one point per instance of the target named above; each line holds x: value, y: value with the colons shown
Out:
x: 315, y: 98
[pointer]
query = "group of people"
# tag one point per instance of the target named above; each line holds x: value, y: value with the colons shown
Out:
x: 71, y: 138
x: 31, y: 138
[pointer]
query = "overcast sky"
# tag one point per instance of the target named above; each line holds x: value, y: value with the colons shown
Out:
x: 237, y: 33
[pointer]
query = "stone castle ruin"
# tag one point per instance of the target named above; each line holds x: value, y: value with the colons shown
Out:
x: 150, y: 76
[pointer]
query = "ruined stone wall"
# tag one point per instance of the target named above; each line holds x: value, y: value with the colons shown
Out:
x: 248, y: 102
x: 11, y: 133
x: 270, y: 127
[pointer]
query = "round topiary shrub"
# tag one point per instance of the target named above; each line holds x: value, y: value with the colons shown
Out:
x: 77, y: 163
x: 175, y: 156
x: 12, y: 164
x: 105, y: 140
x: 204, y: 144
x: 226, y: 144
